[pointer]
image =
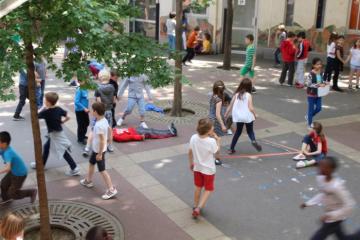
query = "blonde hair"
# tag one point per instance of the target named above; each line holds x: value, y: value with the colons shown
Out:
x: 11, y: 225
x: 104, y: 76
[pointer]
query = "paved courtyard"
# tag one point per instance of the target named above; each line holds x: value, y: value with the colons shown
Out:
x: 257, y: 196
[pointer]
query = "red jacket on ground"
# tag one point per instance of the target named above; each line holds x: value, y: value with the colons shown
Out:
x: 288, y: 51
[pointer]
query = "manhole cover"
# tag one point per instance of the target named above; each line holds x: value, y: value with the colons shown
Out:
x: 75, y: 216
x: 201, y: 111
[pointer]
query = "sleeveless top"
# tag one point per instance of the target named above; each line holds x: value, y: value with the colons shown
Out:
x: 241, y: 111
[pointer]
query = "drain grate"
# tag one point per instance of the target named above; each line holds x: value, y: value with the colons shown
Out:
x: 77, y: 217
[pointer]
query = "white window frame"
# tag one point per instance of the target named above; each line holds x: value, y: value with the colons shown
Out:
x: 286, y: 10
x: 352, y: 31
x: 323, y: 17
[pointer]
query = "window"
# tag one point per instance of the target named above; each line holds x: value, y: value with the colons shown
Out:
x: 146, y: 22
x: 354, y: 23
x: 289, y: 16
x: 320, y: 14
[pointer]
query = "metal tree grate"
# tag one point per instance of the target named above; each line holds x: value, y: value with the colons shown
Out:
x: 74, y: 216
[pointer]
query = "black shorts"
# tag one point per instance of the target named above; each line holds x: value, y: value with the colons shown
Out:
x: 100, y: 164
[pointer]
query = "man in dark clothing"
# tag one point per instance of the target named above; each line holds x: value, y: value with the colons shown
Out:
x: 24, y: 94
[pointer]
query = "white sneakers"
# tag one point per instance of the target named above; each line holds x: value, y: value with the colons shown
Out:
x: 119, y: 122
x: 75, y: 172
x: 306, y: 163
x: 143, y: 125
x: 107, y: 195
x: 229, y: 132
x: 299, y: 157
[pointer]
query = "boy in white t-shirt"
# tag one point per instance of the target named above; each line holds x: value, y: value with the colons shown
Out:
x: 99, y: 147
x: 203, y: 146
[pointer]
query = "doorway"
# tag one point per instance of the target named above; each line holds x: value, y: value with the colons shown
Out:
x: 244, y: 23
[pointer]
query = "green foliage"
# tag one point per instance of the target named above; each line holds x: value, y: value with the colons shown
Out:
x: 97, y: 27
x: 200, y: 5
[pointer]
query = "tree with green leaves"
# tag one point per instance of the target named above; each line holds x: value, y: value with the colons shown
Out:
x: 97, y: 27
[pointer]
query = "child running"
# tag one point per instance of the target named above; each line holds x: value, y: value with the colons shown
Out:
x: 12, y: 227
x: 203, y: 146
x: 136, y: 84
x: 336, y: 200
x: 82, y: 112
x: 250, y: 61
x: 99, y: 142
x: 315, y: 80
x: 354, y: 58
x: 215, y: 112
x: 54, y: 117
x: 314, y: 146
x: 15, y: 173
x: 243, y: 113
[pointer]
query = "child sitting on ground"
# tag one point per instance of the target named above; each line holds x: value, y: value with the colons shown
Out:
x: 15, y: 173
x: 203, y: 146
x: 336, y: 200
x: 314, y: 146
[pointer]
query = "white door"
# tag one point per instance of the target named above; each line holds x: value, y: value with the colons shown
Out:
x: 244, y: 23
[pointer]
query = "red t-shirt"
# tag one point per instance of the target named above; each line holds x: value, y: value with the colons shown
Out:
x: 316, y: 139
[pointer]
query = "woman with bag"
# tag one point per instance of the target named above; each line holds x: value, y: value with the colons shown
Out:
x: 243, y: 113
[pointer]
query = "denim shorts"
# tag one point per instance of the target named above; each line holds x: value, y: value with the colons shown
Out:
x: 131, y: 104
x: 354, y: 67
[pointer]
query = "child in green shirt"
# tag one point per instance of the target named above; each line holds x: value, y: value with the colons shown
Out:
x: 249, y: 61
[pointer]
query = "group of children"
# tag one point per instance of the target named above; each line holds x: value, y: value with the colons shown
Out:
x: 295, y: 49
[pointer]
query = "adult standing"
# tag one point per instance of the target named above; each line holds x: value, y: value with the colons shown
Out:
x: 171, y: 30
x: 23, y: 95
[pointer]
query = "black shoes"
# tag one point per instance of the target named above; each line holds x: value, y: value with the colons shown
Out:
x: 218, y: 162
x: 256, y: 146
x: 18, y: 118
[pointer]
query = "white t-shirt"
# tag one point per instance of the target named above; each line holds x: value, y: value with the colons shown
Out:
x: 331, y: 50
x: 171, y: 26
x: 101, y: 127
x: 240, y: 111
x: 203, y: 150
x: 355, y: 57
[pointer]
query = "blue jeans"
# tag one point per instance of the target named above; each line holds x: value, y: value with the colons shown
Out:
x: 313, y: 147
x: 239, y: 128
x: 171, y: 41
x: 131, y: 104
x: 314, y: 107
x: 38, y: 97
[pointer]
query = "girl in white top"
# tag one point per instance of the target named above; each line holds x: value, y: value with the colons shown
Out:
x: 243, y: 113
x: 331, y: 51
x: 354, y: 58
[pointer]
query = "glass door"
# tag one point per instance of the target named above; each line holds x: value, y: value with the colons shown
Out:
x: 146, y: 22
x: 245, y: 22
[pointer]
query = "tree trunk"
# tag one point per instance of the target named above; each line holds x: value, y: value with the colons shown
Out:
x: 228, y: 35
x: 177, y: 101
x: 45, y: 230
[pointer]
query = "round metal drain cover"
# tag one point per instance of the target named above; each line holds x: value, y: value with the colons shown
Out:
x: 77, y: 217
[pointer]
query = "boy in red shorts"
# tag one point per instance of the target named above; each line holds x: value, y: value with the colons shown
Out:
x: 203, y: 146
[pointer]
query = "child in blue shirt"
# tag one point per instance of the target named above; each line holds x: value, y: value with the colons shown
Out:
x: 82, y: 112
x: 16, y: 173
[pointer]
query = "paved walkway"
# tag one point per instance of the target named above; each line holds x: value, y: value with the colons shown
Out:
x: 256, y: 197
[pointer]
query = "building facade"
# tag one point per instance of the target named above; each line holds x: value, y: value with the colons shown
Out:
x: 260, y: 17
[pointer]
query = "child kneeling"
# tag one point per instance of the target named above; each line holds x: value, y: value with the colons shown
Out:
x: 314, y: 146
x: 203, y: 146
